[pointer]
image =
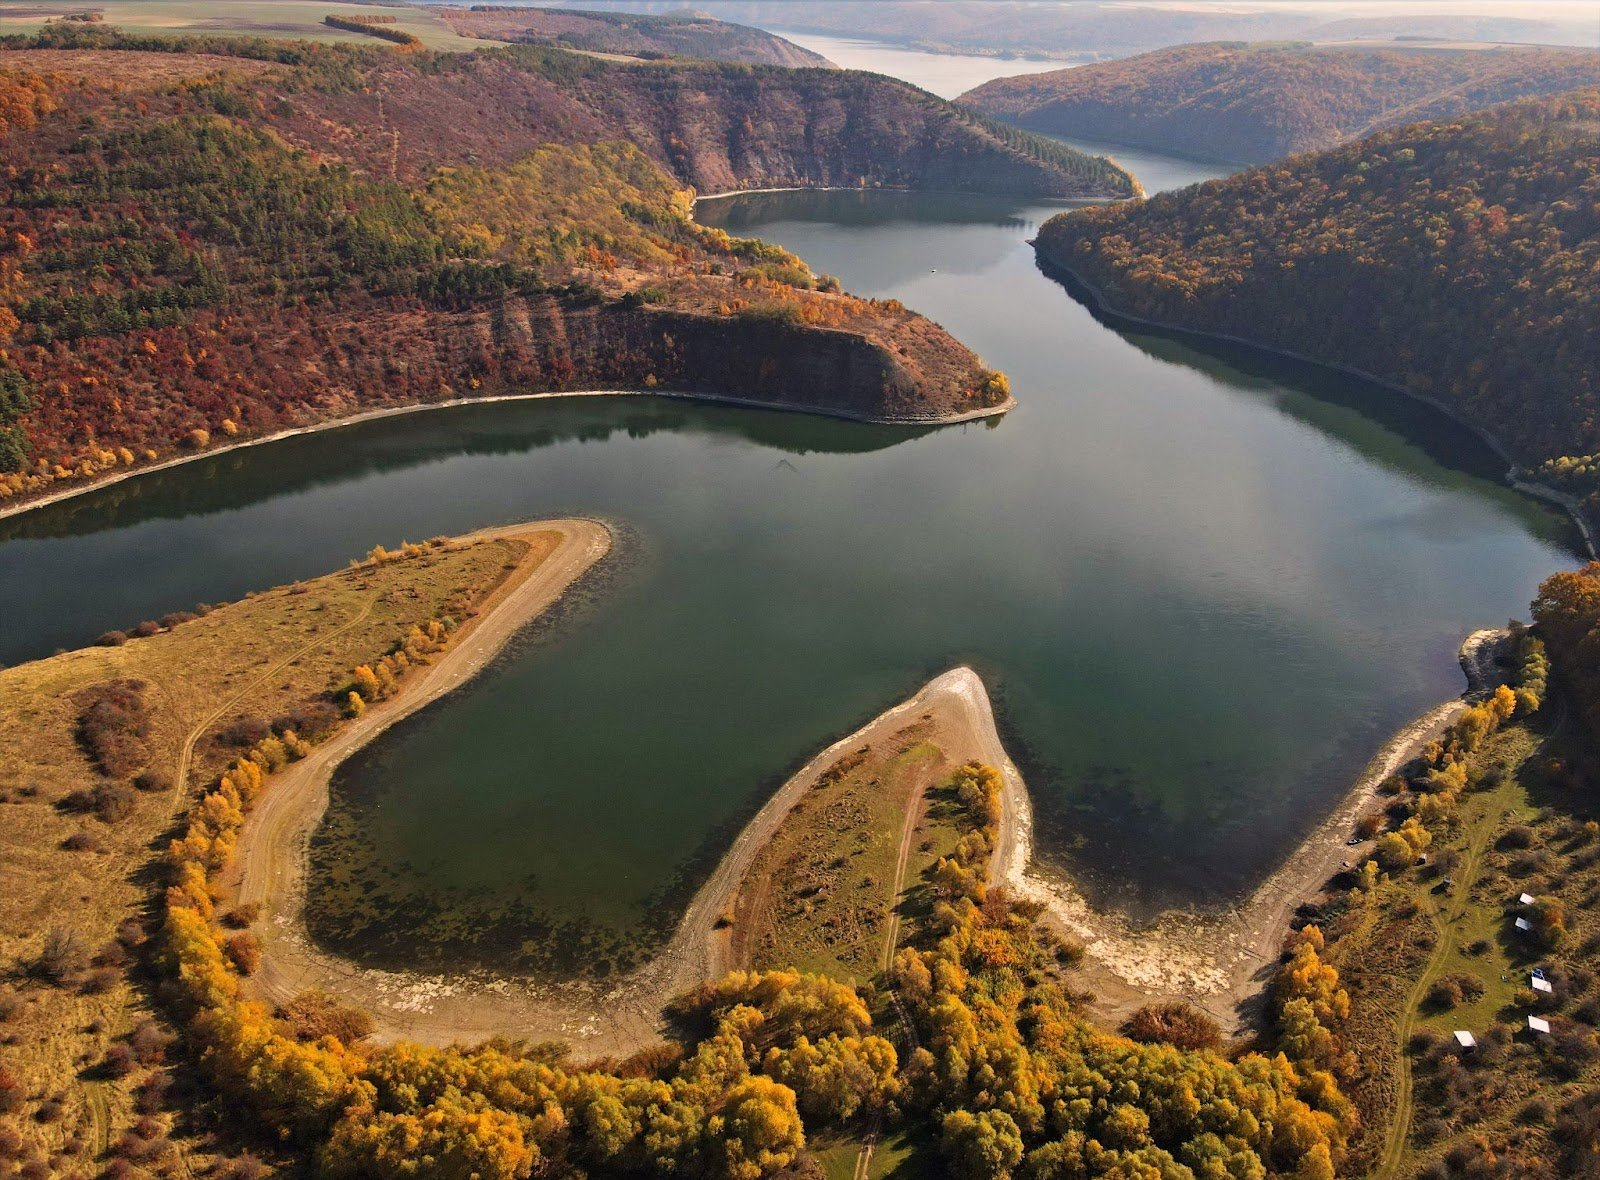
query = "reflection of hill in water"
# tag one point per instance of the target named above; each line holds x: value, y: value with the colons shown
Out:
x: 250, y: 475
x: 1390, y: 428
x: 866, y: 207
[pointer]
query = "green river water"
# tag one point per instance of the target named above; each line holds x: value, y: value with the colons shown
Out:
x: 1202, y: 588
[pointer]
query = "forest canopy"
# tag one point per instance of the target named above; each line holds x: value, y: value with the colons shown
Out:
x: 1459, y: 259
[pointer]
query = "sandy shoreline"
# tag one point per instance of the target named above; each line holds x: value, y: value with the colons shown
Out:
x: 613, y: 1018
x: 94, y: 485
x: 1219, y: 962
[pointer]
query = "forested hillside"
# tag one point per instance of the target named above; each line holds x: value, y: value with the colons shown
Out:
x: 202, y: 240
x: 1459, y: 259
x: 1257, y: 102
x: 679, y: 35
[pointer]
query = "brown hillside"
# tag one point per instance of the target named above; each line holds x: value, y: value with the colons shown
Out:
x: 204, y: 240
x: 1251, y: 103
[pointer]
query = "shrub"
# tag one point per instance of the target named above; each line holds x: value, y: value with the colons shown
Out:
x: 61, y: 956
x: 152, y: 781
x: 314, y: 1014
x: 83, y: 842
x: 242, y: 915
x: 113, y: 723
x: 1518, y: 837
x: 245, y: 952
x: 112, y: 639
x: 11, y: 1091
x: 149, y: 1042
x: 1176, y: 1023
x: 118, y: 1061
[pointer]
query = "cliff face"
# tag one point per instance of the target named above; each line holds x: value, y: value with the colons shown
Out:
x: 1252, y: 103
x: 220, y: 246
x: 721, y: 129
x: 715, y: 127
x: 633, y: 35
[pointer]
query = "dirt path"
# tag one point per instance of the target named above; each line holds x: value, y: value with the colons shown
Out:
x: 1218, y: 962
x: 1446, y: 926
x: 272, y: 849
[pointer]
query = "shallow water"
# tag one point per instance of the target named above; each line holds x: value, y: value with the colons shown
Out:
x: 1202, y: 588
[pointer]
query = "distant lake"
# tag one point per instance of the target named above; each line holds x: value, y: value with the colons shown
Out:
x: 945, y: 74
x: 1202, y: 587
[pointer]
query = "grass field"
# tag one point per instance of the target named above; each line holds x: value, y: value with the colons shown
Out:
x: 296, y: 19
x: 822, y: 894
x: 1435, y: 949
x: 81, y: 836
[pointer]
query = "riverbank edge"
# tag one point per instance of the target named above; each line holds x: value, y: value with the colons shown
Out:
x: 1222, y: 961
x: 1513, y: 478
x: 614, y: 1017
x: 356, y: 419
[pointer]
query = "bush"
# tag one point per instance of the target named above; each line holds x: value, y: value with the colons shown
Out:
x: 11, y: 1091
x: 1518, y: 837
x: 61, y: 957
x: 152, y: 781
x: 242, y: 915
x: 119, y: 1061
x: 312, y: 1015
x: 83, y: 842
x: 245, y: 952
x: 112, y: 639
x: 1176, y: 1023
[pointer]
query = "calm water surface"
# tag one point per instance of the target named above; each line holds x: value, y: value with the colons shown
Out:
x: 945, y: 74
x: 1202, y: 589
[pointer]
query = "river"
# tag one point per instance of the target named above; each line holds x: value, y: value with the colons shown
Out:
x: 1202, y: 588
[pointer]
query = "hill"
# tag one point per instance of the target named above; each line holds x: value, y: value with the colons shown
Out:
x: 1458, y: 259
x: 1258, y: 102
x: 683, y: 35
x: 209, y: 239
x: 1115, y: 28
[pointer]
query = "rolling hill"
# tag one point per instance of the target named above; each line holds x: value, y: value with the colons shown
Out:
x: 1255, y: 102
x: 1458, y: 258
x: 204, y: 239
x: 677, y: 35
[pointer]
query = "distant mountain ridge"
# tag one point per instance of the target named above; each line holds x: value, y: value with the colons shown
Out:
x: 1248, y: 103
x: 1458, y: 259
x: 675, y: 35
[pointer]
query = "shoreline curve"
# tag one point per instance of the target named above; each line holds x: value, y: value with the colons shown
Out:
x: 93, y: 485
x: 1100, y: 302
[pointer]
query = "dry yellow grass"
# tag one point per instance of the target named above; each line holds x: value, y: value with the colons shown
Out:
x: 256, y: 659
x: 822, y: 893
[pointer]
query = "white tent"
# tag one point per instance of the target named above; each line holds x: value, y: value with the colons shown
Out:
x: 1465, y: 1039
x: 1524, y: 925
x: 1538, y: 1024
x: 1525, y: 899
x: 1542, y: 985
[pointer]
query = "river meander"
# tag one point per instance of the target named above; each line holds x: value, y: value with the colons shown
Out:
x: 1201, y: 587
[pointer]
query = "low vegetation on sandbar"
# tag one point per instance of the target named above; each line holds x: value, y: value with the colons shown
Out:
x: 109, y: 743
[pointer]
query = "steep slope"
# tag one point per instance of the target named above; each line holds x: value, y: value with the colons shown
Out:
x: 1459, y: 259
x: 1253, y: 103
x: 683, y: 35
x: 209, y: 240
